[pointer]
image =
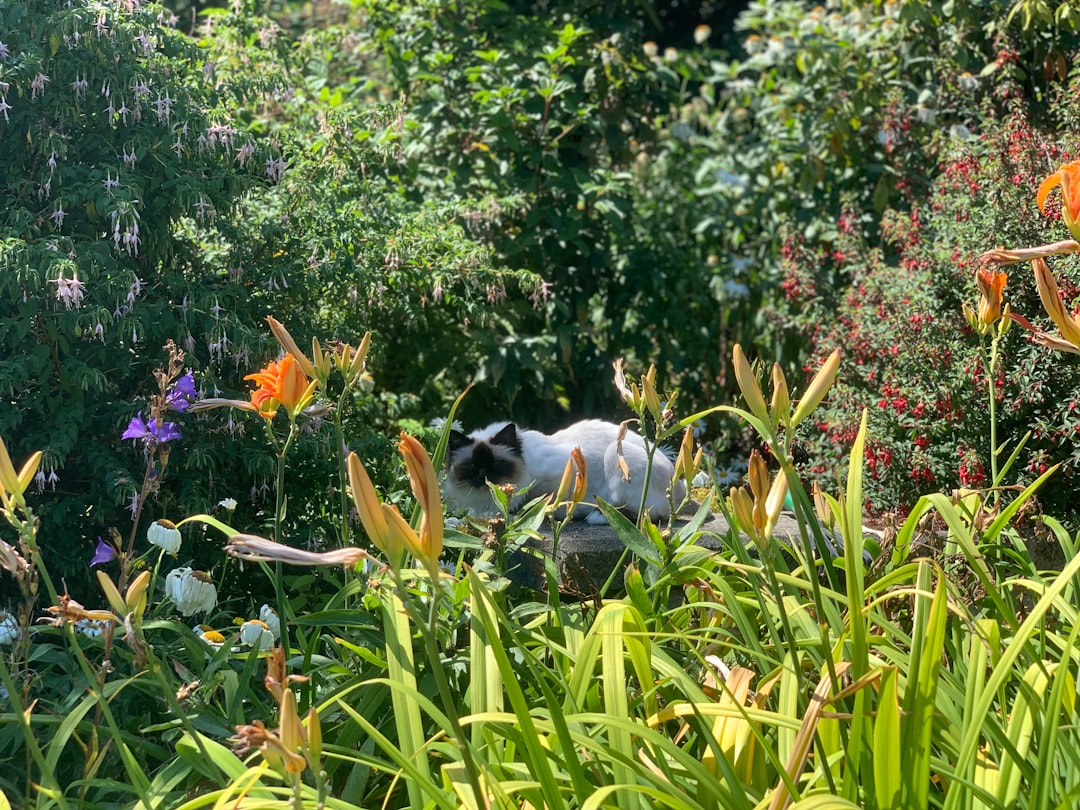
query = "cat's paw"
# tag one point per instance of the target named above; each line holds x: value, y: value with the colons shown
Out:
x: 596, y: 518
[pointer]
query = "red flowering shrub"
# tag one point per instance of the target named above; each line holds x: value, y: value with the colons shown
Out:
x: 909, y: 356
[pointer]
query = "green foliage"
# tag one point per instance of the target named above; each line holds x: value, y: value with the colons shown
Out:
x: 712, y: 684
x: 163, y: 188
x: 119, y: 151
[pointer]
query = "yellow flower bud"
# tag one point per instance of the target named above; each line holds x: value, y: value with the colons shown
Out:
x: 748, y: 384
x: 817, y: 389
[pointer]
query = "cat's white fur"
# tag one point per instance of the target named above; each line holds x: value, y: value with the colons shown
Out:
x: 543, y: 458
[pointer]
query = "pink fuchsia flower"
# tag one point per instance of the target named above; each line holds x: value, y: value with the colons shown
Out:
x: 70, y: 291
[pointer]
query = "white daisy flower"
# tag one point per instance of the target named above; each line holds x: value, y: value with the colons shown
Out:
x: 164, y: 534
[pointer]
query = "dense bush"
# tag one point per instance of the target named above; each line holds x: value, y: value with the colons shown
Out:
x: 161, y: 188
x: 911, y: 358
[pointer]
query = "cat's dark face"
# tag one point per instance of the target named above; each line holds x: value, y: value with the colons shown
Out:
x: 474, y: 462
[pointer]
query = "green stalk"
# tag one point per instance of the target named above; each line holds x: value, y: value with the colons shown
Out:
x: 645, y: 484
x: 343, y: 474
x: 429, y: 631
x: 991, y: 366
x: 28, y: 532
x: 279, y: 509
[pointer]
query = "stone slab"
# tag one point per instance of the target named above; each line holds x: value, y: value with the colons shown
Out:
x: 588, y: 553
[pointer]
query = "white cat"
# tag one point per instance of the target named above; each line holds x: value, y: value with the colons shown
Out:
x: 504, y: 454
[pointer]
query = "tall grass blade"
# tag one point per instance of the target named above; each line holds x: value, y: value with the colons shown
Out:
x: 958, y: 797
x: 540, y: 767
x: 485, y: 682
x: 920, y: 695
x: 401, y: 669
x: 888, y: 778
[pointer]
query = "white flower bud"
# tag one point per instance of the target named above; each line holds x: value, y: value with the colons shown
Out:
x: 228, y: 504
x: 9, y: 628
x: 269, y: 617
x: 164, y: 534
x: 257, y: 634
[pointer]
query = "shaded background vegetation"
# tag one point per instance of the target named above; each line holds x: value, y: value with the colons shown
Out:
x: 513, y: 195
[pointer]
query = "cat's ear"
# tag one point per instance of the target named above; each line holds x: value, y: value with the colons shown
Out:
x: 507, y: 437
x: 458, y: 440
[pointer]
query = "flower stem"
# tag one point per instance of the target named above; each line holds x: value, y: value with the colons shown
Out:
x: 343, y: 473
x: 279, y: 519
x: 991, y: 367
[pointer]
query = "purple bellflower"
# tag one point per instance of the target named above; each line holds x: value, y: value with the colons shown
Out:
x: 103, y: 553
x: 182, y: 393
x: 151, y: 432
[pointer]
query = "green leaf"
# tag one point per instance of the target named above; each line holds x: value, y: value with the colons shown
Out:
x: 630, y: 536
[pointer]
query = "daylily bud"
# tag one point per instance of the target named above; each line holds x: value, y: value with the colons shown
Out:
x: 817, y: 389
x: 367, y: 505
x: 970, y: 317
x: 748, y: 384
x: 687, y: 463
x: 652, y: 399
x: 564, y: 483
x: 289, y: 345
x: 425, y: 486
x: 14, y: 483
x: 774, y: 503
x: 292, y: 732
x: 743, y: 508
x: 757, y: 474
x: 401, y: 536
x: 781, y: 402
x: 135, y: 598
x: 991, y: 283
x: 1055, y: 306
x: 581, y: 477
x: 321, y: 361
x: 314, y: 738
x: 821, y: 506
x: 359, y: 358
x: 112, y: 593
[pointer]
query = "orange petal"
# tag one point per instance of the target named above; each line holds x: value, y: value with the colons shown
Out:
x: 1045, y: 188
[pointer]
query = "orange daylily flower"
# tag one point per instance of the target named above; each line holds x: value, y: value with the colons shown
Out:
x: 281, y: 383
x: 1068, y: 177
x: 991, y: 284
